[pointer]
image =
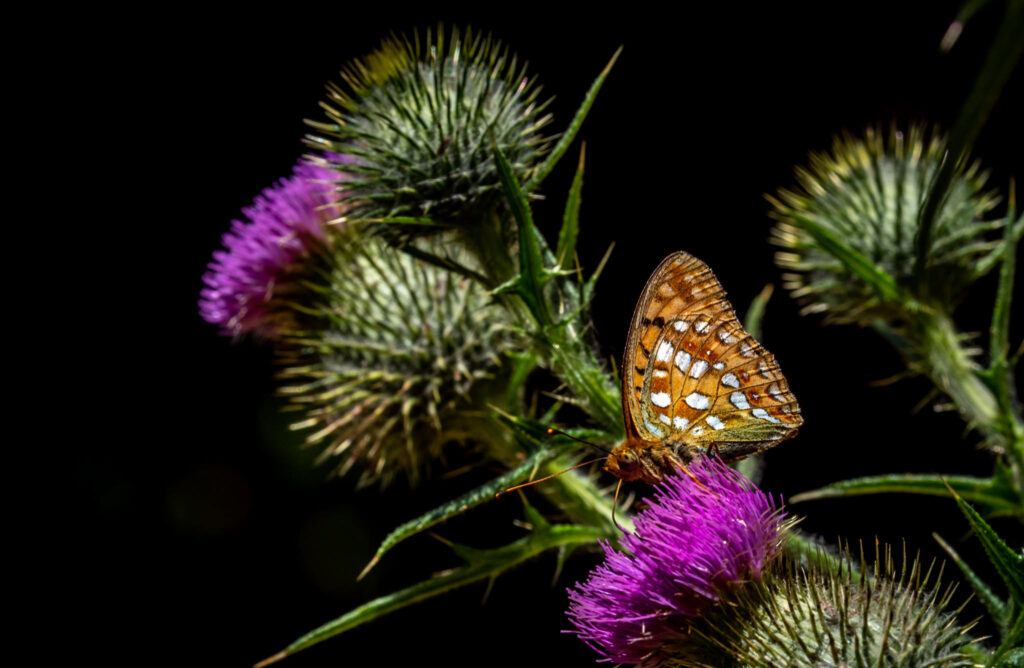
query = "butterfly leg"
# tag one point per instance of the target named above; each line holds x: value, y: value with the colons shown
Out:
x: 615, y: 502
x: 682, y: 467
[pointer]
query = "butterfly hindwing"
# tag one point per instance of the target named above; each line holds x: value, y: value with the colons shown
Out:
x: 692, y: 374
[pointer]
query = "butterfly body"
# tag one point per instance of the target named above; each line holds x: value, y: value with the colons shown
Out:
x: 693, y: 380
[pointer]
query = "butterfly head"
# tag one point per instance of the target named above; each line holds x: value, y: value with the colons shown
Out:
x: 641, y: 461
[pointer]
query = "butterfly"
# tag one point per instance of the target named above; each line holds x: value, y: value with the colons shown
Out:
x: 693, y: 380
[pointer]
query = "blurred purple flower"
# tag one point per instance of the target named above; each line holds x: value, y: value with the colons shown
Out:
x: 281, y: 227
x: 690, y: 545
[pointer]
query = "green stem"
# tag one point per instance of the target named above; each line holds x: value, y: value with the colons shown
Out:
x: 577, y: 495
x: 934, y: 339
x: 954, y: 372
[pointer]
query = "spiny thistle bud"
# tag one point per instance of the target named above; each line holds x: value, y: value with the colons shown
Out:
x: 420, y: 117
x: 268, y: 258
x: 830, y: 617
x: 867, y: 195
x: 395, y: 370
x: 693, y: 544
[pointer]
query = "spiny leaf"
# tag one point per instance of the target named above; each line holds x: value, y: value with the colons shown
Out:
x: 1009, y: 564
x: 855, y: 262
x: 486, y: 564
x: 444, y: 263
x: 563, y: 144
x: 1002, y: 57
x: 752, y: 322
x: 532, y: 273
x: 995, y: 494
x: 460, y: 505
x: 1011, y: 651
x: 995, y: 606
x: 571, y: 218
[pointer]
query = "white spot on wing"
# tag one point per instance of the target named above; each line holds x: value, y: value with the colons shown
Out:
x: 762, y: 366
x: 665, y: 351
x: 725, y: 337
x: 680, y: 422
x: 660, y: 373
x: 680, y: 325
x: 683, y: 360
x: 653, y: 428
x: 714, y: 422
x: 718, y: 365
x: 739, y: 400
x: 762, y: 414
x: 746, y: 349
x: 698, y: 369
x: 730, y: 380
x: 697, y: 400
x: 774, y: 390
x: 664, y: 418
x: 701, y: 326
x: 661, y: 399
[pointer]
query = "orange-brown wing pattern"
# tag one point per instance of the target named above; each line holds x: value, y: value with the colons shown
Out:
x: 692, y: 374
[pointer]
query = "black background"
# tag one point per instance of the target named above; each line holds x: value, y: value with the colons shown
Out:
x: 212, y: 537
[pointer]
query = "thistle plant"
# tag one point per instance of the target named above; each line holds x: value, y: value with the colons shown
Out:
x: 267, y: 259
x: 698, y: 539
x: 894, y: 612
x: 408, y: 358
x: 411, y: 298
x: 420, y: 114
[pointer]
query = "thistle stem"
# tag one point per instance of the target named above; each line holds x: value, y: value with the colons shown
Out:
x: 935, y: 340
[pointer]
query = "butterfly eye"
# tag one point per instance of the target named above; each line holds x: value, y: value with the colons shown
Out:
x: 628, y: 460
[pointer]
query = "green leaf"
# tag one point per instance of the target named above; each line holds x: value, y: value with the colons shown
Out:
x: 528, y: 284
x: 995, y: 494
x: 460, y: 505
x: 805, y: 550
x: 854, y: 261
x: 591, y: 284
x: 444, y: 263
x: 570, y: 133
x: 1002, y: 57
x: 1009, y: 564
x: 752, y: 322
x: 571, y: 218
x: 485, y: 564
x: 1011, y: 650
x: 996, y: 607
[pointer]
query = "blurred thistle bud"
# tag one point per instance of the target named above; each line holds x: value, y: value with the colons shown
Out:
x: 828, y: 616
x: 402, y: 364
x: 866, y: 195
x: 270, y: 257
x: 420, y: 117
x: 693, y: 545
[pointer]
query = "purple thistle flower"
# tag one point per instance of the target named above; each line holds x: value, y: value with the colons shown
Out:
x: 282, y: 226
x: 691, y: 544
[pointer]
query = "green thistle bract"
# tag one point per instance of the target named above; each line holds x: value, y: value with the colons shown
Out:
x: 394, y: 371
x: 419, y: 118
x: 867, y: 195
x: 818, y: 615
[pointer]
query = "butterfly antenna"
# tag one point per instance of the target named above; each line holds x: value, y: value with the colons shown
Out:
x: 552, y: 430
x: 553, y: 475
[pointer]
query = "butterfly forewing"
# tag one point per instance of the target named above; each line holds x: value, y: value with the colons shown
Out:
x: 693, y: 375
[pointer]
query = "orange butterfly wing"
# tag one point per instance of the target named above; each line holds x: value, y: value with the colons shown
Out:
x: 692, y: 375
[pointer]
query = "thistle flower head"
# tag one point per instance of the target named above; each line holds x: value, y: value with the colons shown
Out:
x: 400, y: 364
x: 267, y: 253
x: 895, y: 614
x: 692, y: 545
x: 420, y: 117
x: 867, y: 194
